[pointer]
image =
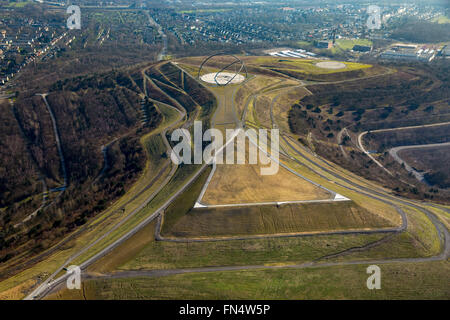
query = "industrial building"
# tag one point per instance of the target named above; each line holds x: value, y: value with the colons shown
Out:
x: 409, y: 53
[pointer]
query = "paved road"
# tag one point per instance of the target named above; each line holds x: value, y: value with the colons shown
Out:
x: 49, y: 283
x: 220, y: 102
x: 254, y: 96
x: 361, y: 146
x: 379, y: 195
x: 43, y: 288
x: 201, y: 205
x: 104, y: 150
x: 282, y: 235
x: 362, y: 134
x: 443, y: 232
x: 169, y: 272
x: 400, y: 229
x: 364, y: 190
x: 388, y: 72
x: 370, y: 192
x: 404, y: 220
x: 274, y: 100
x: 419, y: 175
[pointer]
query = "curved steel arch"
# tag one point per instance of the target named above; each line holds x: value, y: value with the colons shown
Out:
x: 237, y: 60
x: 226, y: 67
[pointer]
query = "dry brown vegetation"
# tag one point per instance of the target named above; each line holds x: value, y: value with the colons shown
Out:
x: 182, y: 220
x: 233, y: 184
x: 334, y: 76
x: 291, y: 218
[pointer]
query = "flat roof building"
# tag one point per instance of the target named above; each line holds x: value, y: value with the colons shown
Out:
x: 411, y: 55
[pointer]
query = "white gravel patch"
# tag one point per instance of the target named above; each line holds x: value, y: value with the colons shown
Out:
x: 222, y: 78
x: 331, y: 65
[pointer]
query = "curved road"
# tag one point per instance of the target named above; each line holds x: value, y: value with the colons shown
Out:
x: 394, y: 154
x: 47, y: 286
x: 366, y: 191
x: 362, y: 134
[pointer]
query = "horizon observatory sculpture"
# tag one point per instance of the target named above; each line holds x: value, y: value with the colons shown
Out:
x: 225, y: 76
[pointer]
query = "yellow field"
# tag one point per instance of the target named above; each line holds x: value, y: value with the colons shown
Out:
x: 305, y: 66
x: 234, y: 184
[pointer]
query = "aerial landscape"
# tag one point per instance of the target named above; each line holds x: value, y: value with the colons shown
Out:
x: 247, y: 150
